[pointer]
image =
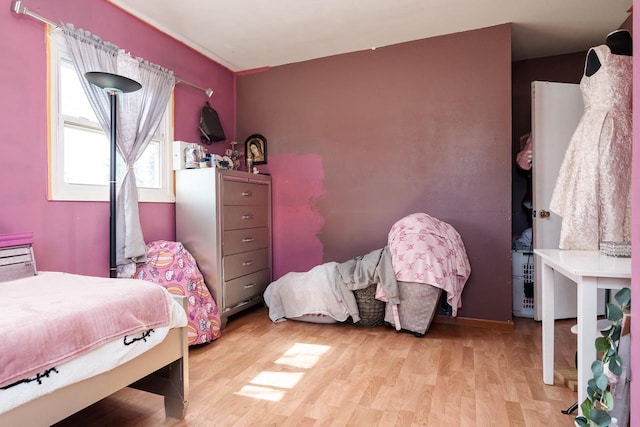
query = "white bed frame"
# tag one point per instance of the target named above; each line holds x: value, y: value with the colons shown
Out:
x: 162, y: 370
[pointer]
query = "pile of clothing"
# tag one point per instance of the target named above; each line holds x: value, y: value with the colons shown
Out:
x: 423, y: 254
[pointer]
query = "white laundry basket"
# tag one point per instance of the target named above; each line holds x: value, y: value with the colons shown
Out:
x: 522, y: 270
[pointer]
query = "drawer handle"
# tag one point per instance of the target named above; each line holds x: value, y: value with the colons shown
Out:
x: 247, y: 216
x: 250, y: 285
x: 246, y: 194
x: 248, y: 240
x: 247, y: 263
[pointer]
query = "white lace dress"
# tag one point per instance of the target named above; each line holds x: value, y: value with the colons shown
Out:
x: 592, y: 193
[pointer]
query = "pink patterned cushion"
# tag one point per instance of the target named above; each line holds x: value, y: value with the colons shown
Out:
x: 169, y: 264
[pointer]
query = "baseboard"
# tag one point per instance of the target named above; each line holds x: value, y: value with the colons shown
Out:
x: 477, y: 323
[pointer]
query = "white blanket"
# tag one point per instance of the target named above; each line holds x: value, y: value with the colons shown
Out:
x: 317, y: 291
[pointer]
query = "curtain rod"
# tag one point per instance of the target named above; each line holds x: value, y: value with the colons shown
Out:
x: 18, y: 8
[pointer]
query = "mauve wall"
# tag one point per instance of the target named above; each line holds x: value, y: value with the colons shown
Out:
x: 357, y: 141
x: 73, y: 236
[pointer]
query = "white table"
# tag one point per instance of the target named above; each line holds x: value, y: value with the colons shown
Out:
x: 591, y: 271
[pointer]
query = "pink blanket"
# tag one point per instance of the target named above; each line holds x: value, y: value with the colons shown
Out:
x: 427, y: 250
x: 50, y: 318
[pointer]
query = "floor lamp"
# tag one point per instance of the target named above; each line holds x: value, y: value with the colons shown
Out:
x: 113, y: 84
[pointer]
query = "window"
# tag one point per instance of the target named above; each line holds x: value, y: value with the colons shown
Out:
x: 79, y: 149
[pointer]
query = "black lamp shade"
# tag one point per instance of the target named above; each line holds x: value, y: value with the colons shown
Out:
x: 112, y: 82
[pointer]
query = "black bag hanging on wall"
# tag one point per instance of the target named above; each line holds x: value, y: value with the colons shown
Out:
x: 210, y: 126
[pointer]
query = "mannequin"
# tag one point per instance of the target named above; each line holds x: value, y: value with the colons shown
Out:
x: 619, y: 43
x: 592, y: 192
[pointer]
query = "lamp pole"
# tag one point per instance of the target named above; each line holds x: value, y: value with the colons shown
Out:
x: 113, y: 84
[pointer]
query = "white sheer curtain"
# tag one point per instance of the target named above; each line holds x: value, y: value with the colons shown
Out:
x: 139, y: 114
x: 138, y: 121
x: 89, y: 53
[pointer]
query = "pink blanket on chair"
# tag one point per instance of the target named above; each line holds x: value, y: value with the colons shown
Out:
x: 51, y: 318
x: 427, y: 250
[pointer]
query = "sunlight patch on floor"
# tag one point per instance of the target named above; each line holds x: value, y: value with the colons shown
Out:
x: 263, y: 393
x: 303, y: 355
x: 272, y: 385
x: 278, y: 379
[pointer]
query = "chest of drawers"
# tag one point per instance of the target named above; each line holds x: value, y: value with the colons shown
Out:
x: 224, y: 219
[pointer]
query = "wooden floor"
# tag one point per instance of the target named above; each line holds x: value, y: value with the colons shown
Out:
x: 300, y: 374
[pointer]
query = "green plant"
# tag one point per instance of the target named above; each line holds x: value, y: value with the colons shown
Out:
x: 606, y: 370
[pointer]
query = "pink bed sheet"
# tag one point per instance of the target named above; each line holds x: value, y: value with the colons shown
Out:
x: 50, y: 318
x: 170, y: 265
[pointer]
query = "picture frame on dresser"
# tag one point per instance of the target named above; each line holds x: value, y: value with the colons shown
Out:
x: 255, y: 148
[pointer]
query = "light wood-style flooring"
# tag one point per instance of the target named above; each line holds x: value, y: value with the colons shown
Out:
x: 301, y: 374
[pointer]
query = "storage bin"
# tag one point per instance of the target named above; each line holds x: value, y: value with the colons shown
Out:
x: 522, y: 270
x: 419, y: 303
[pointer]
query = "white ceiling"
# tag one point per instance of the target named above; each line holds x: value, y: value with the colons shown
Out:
x: 248, y: 34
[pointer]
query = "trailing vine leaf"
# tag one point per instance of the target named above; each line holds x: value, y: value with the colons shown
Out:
x: 602, y: 344
x: 615, y: 366
x: 623, y: 297
x: 581, y: 422
x: 614, y: 312
x: 595, y: 408
x: 601, y: 382
x: 599, y: 417
x: 615, y: 335
x: 586, y: 406
x: 607, y: 400
x: 597, y: 367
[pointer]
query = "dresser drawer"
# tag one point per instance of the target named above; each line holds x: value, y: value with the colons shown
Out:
x: 245, y: 263
x: 249, y: 239
x: 235, y: 217
x: 244, y: 193
x: 243, y: 288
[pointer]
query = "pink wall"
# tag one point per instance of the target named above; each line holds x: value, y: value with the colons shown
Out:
x: 357, y: 141
x: 635, y: 236
x: 73, y: 236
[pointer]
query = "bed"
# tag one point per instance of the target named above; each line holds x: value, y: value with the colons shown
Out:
x: 399, y: 284
x: 45, y: 377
